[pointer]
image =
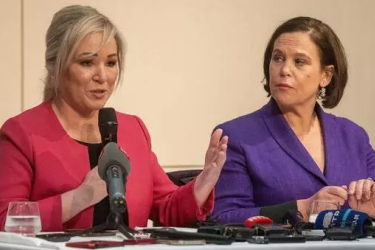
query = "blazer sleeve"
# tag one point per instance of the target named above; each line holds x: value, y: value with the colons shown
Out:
x: 234, y: 203
x: 172, y: 205
x: 16, y: 178
x: 370, y: 157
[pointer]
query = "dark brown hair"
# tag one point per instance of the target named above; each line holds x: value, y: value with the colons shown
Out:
x: 331, y: 53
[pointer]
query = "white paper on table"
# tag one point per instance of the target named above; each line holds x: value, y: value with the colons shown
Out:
x: 181, y: 229
x: 117, y: 237
x: 19, y: 239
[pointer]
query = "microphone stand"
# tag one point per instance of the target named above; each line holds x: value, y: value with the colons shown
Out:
x: 114, y: 221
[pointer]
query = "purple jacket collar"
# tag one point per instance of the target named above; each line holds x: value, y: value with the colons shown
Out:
x: 288, y: 141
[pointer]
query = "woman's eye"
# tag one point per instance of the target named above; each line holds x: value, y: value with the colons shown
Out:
x: 300, y: 62
x: 277, y: 58
x: 112, y: 63
x: 87, y: 63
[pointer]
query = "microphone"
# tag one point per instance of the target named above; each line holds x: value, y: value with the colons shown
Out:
x: 108, y: 125
x: 359, y: 222
x: 252, y: 221
x: 295, y: 219
x: 113, y: 164
x: 113, y: 168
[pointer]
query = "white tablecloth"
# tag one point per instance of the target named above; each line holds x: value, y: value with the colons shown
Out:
x: 368, y: 243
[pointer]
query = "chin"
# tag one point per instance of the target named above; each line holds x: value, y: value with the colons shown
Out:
x: 283, y: 99
x: 96, y: 105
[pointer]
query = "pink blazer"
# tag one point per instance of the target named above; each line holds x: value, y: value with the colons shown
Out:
x: 39, y: 162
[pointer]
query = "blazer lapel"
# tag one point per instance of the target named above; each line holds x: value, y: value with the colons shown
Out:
x: 332, y: 168
x: 288, y: 141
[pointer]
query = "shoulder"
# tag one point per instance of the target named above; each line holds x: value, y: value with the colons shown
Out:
x: 242, y: 121
x: 36, y: 118
x: 345, y: 127
x: 23, y: 128
x: 245, y: 125
x: 130, y: 121
x: 123, y: 118
x: 131, y: 126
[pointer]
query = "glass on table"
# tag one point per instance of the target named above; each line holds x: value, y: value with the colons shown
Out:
x: 318, y: 206
x: 23, y: 217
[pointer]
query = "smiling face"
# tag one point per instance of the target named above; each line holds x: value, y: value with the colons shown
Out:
x: 295, y: 70
x: 91, y: 76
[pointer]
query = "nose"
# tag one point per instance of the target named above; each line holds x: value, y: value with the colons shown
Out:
x: 101, y: 75
x: 285, y: 69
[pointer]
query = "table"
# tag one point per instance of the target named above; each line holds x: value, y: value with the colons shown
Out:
x: 367, y: 243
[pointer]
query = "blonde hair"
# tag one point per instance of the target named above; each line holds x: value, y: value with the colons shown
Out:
x: 68, y: 27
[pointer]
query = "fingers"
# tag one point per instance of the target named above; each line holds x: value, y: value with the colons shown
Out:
x: 361, y: 189
x: 216, y: 151
x: 352, y: 187
x: 224, y: 141
x: 215, y: 141
x: 215, y: 138
x: 352, y: 201
x: 338, y: 192
x: 358, y: 189
x: 224, y: 144
x: 213, y: 146
x: 328, y: 198
x: 366, y: 189
x: 332, y: 193
x: 222, y: 152
x: 338, y: 199
x: 221, y: 158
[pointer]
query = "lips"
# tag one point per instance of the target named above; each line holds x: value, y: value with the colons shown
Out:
x: 98, y: 93
x: 283, y: 85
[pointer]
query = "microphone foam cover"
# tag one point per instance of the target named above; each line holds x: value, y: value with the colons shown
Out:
x: 250, y: 222
x: 343, y: 218
x: 113, y: 155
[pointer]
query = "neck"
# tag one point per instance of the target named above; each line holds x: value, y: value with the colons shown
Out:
x: 78, y: 125
x: 301, y: 119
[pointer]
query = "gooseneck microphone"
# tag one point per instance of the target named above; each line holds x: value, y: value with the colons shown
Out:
x: 113, y: 164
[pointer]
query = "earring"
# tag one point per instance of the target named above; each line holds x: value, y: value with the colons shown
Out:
x: 322, y: 93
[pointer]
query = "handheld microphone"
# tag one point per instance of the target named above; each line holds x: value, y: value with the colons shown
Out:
x: 113, y: 168
x: 108, y: 125
x: 360, y: 223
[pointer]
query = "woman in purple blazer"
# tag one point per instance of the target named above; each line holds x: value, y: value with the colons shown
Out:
x: 290, y: 152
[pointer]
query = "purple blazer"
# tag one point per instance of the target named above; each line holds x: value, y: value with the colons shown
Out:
x: 267, y: 164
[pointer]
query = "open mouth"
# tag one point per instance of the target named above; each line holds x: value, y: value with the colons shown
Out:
x: 99, y: 91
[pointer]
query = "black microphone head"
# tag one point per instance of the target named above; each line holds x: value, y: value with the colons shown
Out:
x: 293, y: 217
x: 111, y: 156
x: 108, y: 125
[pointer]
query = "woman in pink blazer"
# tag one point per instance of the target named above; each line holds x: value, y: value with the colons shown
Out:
x: 49, y: 153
